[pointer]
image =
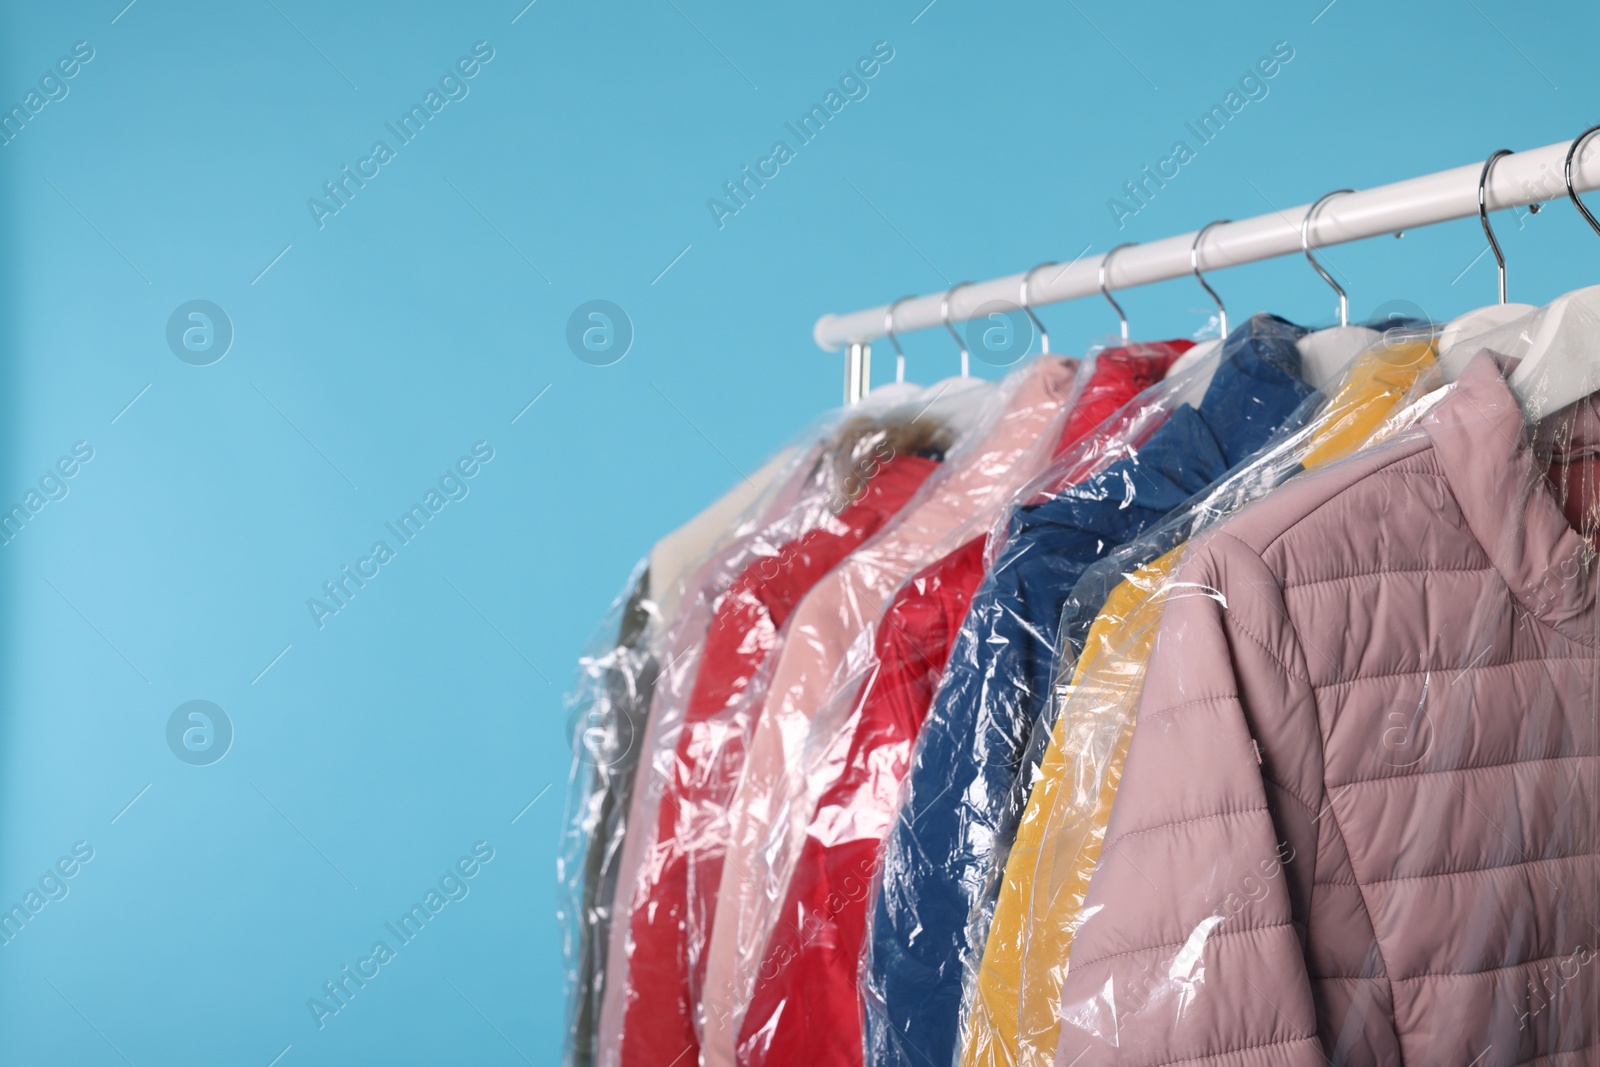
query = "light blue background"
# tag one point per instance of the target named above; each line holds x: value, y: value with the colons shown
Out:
x: 428, y: 313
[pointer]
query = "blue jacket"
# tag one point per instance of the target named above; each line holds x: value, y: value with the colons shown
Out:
x: 941, y: 859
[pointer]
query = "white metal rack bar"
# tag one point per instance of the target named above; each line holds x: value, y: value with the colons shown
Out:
x: 1534, y: 176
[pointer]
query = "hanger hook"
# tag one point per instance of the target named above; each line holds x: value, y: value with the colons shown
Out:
x: 1305, y: 246
x: 1105, y: 269
x: 944, y: 313
x: 1044, y: 334
x: 888, y: 331
x: 1194, y: 265
x: 1483, y: 217
x: 1577, y: 143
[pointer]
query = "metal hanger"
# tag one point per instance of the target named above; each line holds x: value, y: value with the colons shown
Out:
x: 1454, y: 355
x: 1557, y: 344
x: 1483, y: 216
x: 1044, y: 334
x: 1558, y: 366
x: 1105, y: 269
x: 944, y: 313
x: 1194, y: 265
x: 1325, y: 354
x: 1305, y: 246
x: 888, y: 331
x: 1566, y: 172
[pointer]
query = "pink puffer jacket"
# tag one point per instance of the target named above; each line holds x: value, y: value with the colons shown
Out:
x: 1357, y: 824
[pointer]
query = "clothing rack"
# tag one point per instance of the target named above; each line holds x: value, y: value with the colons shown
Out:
x: 1517, y: 179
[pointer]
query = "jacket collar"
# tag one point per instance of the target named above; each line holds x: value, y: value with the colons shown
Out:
x: 1483, y: 443
x: 1257, y: 387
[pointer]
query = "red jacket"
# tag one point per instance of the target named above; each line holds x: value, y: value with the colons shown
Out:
x: 805, y: 1010
x: 1119, y: 374
x: 658, y: 1027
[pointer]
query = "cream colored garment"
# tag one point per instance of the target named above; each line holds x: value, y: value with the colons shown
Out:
x: 674, y: 555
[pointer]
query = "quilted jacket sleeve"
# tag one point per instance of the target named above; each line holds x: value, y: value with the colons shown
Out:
x: 1190, y: 950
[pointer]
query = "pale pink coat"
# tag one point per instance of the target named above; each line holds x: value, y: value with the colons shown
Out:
x: 775, y: 799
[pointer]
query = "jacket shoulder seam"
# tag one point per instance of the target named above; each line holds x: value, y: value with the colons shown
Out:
x: 1278, y: 584
x: 1394, y: 466
x: 1287, y: 670
x: 1195, y: 702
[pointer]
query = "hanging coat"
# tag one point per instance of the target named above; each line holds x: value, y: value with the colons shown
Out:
x: 734, y: 893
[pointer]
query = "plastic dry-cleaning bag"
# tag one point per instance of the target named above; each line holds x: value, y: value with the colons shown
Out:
x: 608, y: 719
x: 826, y: 656
x: 612, y: 735
x: 607, y: 722
x: 608, y: 709
x: 805, y: 1007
